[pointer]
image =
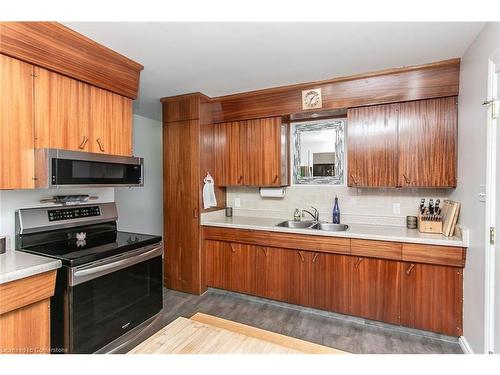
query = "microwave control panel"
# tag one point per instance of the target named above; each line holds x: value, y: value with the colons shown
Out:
x: 73, y: 213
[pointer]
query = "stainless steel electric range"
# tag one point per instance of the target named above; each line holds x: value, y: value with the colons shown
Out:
x: 109, y: 288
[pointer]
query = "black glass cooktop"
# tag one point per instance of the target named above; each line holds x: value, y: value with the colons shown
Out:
x: 84, y: 246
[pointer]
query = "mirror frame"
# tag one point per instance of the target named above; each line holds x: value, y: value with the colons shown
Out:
x: 301, y: 127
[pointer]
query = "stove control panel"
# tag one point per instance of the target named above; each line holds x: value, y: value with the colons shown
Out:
x: 73, y: 213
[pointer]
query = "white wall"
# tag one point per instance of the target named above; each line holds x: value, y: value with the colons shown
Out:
x: 10, y: 200
x: 140, y: 209
x: 472, y: 174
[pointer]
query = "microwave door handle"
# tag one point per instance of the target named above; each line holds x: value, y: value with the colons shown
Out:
x: 80, y: 276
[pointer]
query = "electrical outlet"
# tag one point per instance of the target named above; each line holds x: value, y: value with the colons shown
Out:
x: 396, y: 208
x: 237, y: 202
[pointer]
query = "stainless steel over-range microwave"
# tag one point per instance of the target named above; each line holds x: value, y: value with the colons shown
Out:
x: 64, y: 169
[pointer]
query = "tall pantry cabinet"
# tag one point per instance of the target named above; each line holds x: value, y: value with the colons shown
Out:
x: 188, y: 139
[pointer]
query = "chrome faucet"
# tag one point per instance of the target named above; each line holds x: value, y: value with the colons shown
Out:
x: 314, y: 215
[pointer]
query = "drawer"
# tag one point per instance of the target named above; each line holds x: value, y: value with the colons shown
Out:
x: 376, y: 249
x: 432, y: 254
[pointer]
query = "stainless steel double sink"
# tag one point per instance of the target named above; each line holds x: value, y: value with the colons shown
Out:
x: 311, y: 224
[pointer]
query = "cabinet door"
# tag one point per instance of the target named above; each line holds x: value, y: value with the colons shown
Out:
x: 272, y: 273
x: 216, y: 264
x: 111, y: 123
x: 432, y: 298
x: 181, y: 199
x: 300, y: 281
x: 373, y: 145
x: 229, y: 153
x: 375, y: 289
x: 330, y: 282
x: 241, y: 264
x: 62, y: 111
x: 428, y: 142
x: 16, y: 125
x: 262, y: 153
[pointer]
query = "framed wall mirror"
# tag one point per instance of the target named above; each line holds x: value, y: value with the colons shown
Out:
x: 318, y: 152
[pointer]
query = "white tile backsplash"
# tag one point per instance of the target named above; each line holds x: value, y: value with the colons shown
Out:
x: 357, y: 205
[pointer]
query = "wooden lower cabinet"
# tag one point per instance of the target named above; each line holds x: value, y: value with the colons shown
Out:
x: 375, y: 289
x: 272, y: 273
x: 330, y: 284
x: 411, y: 294
x: 25, y: 314
x: 231, y: 266
x: 431, y: 298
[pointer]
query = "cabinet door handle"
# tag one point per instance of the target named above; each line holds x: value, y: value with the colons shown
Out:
x: 265, y: 250
x: 354, y: 180
x: 407, y: 180
x: 316, y: 255
x: 84, y: 142
x: 275, y: 179
x: 301, y: 256
x: 232, y: 248
x: 195, y: 213
x: 240, y: 179
x: 410, y: 268
x: 358, y: 262
x: 100, y: 143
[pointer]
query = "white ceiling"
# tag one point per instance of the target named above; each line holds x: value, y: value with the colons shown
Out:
x: 225, y: 58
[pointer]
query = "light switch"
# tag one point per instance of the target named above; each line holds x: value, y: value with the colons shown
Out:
x: 237, y: 202
x: 396, y: 208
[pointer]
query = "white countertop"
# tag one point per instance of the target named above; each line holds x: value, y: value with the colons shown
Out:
x: 361, y: 231
x: 15, y: 265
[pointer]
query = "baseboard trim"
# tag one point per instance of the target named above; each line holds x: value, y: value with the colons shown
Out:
x: 464, y: 344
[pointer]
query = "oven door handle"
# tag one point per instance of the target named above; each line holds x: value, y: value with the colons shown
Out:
x: 80, y: 276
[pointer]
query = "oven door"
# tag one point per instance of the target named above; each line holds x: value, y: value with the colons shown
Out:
x: 111, y: 297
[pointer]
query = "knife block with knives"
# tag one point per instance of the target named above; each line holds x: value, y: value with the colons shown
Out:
x: 434, y: 219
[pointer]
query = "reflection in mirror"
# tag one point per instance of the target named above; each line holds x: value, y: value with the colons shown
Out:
x: 318, y: 156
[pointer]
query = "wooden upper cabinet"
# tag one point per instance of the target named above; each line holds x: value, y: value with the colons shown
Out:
x: 372, y: 145
x: 251, y: 153
x: 431, y: 298
x: 16, y: 124
x: 62, y: 111
x: 428, y: 143
x: 229, y: 153
x: 111, y: 123
x: 72, y: 115
x: 410, y: 144
x: 262, y: 150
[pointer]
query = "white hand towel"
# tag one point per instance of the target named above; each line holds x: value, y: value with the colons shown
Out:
x: 209, y: 199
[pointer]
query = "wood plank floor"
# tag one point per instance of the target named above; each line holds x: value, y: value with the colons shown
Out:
x: 337, y: 331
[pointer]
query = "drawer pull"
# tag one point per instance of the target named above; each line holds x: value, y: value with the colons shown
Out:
x: 358, y: 262
x: 100, y: 143
x: 410, y: 268
x: 84, y: 142
x: 316, y: 255
x: 407, y: 180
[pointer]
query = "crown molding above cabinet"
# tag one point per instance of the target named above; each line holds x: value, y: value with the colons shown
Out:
x: 55, y: 47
